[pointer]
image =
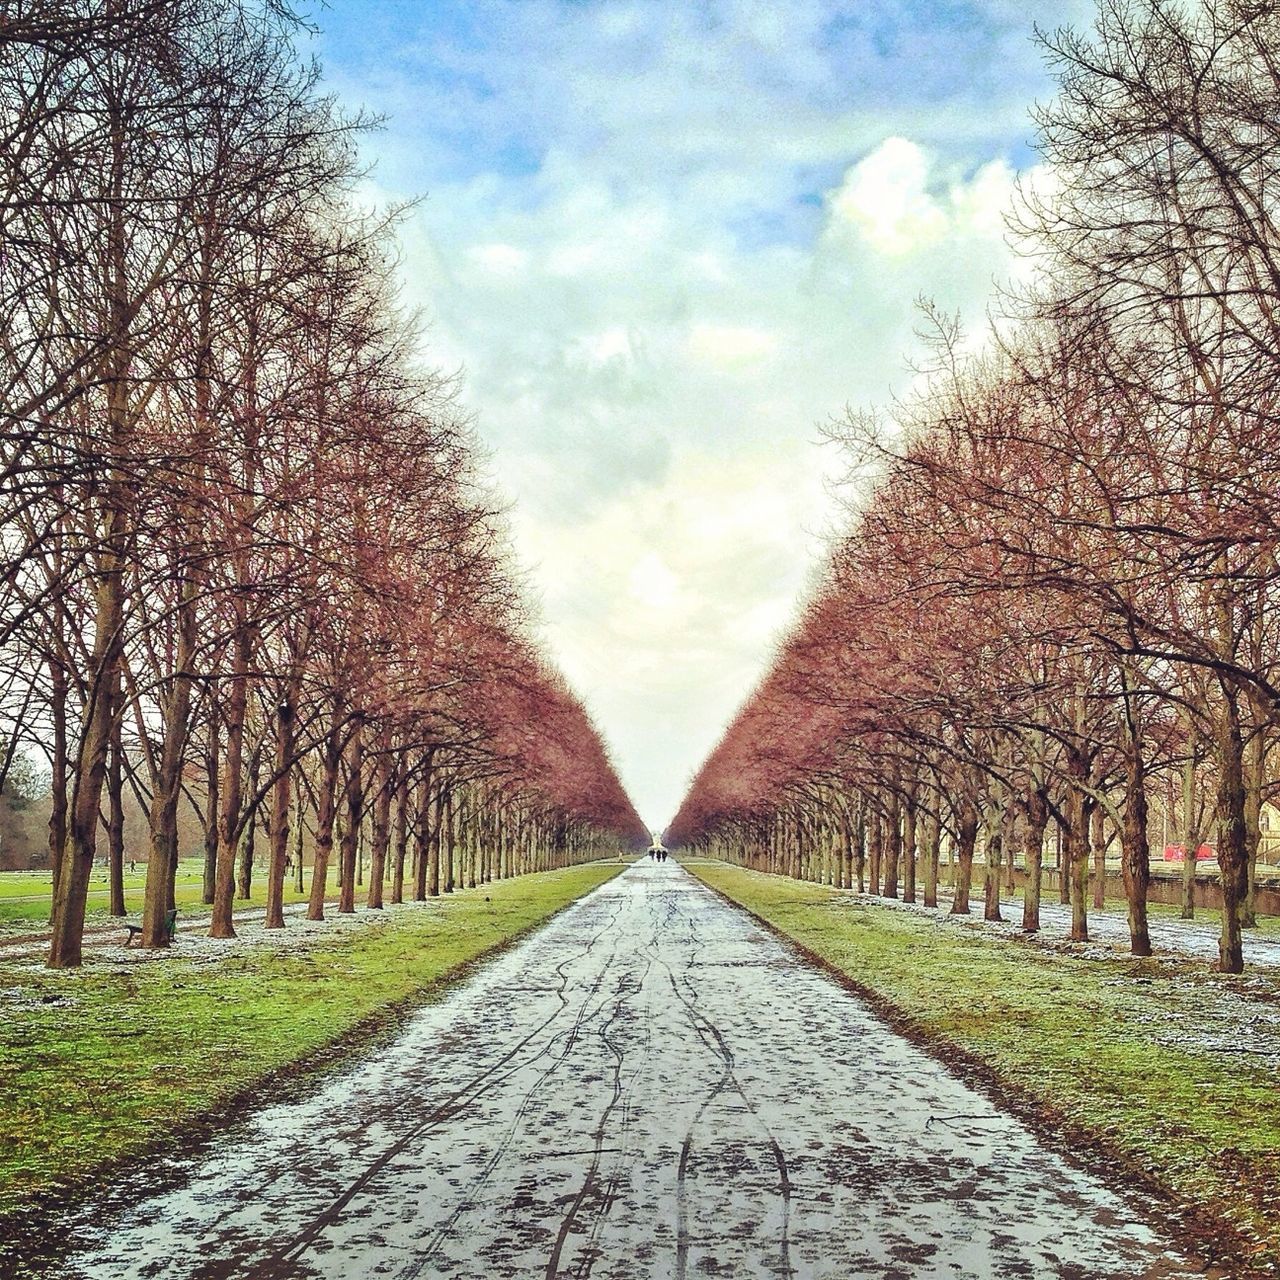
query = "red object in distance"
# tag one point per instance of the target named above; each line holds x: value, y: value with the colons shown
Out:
x: 1176, y: 853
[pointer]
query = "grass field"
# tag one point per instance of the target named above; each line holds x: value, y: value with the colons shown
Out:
x: 24, y: 895
x: 1158, y: 1066
x: 102, y: 1062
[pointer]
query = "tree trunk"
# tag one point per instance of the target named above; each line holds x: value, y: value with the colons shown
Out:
x: 422, y: 837
x: 1010, y: 830
x: 434, y: 842
x: 71, y: 894
x: 383, y: 796
x: 326, y: 811
x: 876, y: 843
x: 58, y: 774
x: 286, y: 717
x: 991, y: 878
x: 1134, y: 848
x: 1190, y: 834
x: 162, y: 819
x: 932, y: 857
x: 1098, y: 842
x: 1255, y: 761
x: 860, y: 848
x: 909, y: 825
x: 212, y: 804
x: 351, y: 827
x: 401, y: 843
x: 249, y: 837
x: 1233, y: 855
x: 1033, y: 854
x: 467, y: 821
x: 115, y: 820
x: 893, y: 844
x: 449, y: 841
x: 966, y: 839
x: 1075, y: 857
x: 1064, y: 871
x: 220, y: 925
x: 299, y: 814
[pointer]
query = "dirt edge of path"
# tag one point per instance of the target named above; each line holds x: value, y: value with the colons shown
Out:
x: 37, y: 1232
x: 1212, y: 1242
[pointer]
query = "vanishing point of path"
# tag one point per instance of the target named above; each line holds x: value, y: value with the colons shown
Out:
x: 650, y: 1085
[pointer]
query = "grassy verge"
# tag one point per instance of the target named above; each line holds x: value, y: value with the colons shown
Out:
x: 1134, y: 1062
x: 25, y: 895
x: 99, y: 1064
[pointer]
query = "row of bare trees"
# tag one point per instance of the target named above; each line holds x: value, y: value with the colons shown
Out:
x: 247, y: 561
x: 1060, y: 580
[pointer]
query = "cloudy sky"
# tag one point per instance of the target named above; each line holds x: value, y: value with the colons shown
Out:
x: 664, y: 240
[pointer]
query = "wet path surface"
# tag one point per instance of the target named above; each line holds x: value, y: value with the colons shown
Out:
x: 651, y: 1085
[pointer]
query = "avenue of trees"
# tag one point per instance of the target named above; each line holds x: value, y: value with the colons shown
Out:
x: 1059, y: 588
x: 248, y: 565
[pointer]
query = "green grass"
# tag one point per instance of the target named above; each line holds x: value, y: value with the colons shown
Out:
x: 1103, y: 1048
x: 25, y: 895
x: 104, y: 1061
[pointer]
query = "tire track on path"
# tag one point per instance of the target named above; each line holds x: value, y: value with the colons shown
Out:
x: 570, y: 1036
x: 297, y: 1245
x: 705, y: 1027
x: 624, y: 994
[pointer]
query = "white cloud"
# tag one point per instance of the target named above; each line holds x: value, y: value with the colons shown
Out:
x: 883, y: 199
x: 661, y: 606
x: 730, y: 347
x: 500, y: 259
x: 655, y: 590
x: 888, y: 201
x: 982, y: 204
x: 613, y: 343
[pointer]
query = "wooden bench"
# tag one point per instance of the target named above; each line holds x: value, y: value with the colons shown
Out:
x: 135, y: 930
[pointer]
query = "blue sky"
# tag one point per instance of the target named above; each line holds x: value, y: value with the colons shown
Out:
x: 487, y: 71
x: 663, y: 241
